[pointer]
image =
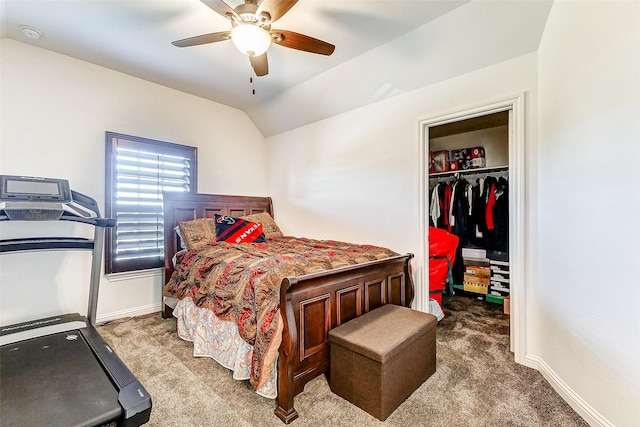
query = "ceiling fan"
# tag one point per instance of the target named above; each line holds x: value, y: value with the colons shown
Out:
x: 252, y: 34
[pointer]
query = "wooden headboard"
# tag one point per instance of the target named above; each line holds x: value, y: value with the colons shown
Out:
x: 187, y: 206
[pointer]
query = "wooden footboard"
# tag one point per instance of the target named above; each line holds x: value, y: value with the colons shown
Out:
x: 313, y: 304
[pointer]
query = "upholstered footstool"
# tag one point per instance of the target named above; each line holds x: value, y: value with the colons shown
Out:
x: 381, y: 357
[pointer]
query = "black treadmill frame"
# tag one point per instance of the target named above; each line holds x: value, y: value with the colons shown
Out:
x: 134, y: 400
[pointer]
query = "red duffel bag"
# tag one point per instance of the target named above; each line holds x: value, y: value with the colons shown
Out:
x: 442, y: 254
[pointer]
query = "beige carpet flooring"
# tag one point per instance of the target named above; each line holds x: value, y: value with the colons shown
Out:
x: 476, y: 383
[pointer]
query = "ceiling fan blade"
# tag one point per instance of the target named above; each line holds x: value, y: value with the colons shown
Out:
x: 203, y: 39
x: 221, y: 7
x: 260, y: 64
x: 299, y: 41
x: 276, y: 8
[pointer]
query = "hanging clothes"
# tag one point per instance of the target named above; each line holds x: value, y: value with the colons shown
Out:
x: 477, y: 219
x: 435, y: 209
x: 501, y: 215
x: 477, y: 212
x: 491, y: 202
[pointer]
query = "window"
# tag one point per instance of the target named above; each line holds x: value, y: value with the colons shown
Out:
x: 138, y: 170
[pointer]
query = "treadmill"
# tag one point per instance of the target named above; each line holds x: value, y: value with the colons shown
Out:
x: 59, y: 371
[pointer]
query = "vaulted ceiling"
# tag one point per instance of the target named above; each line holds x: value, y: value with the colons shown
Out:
x: 383, y: 48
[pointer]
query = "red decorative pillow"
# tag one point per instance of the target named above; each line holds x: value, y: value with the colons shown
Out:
x: 237, y: 230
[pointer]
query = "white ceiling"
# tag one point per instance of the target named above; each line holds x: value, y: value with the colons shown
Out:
x: 373, y: 40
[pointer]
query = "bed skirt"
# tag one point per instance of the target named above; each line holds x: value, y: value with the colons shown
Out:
x: 220, y: 340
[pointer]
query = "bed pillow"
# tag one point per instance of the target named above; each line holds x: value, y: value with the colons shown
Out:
x: 176, y: 229
x: 269, y: 225
x: 198, y: 232
x: 237, y: 230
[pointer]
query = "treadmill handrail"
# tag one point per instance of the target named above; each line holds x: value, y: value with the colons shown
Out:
x: 66, y: 243
x: 45, y: 243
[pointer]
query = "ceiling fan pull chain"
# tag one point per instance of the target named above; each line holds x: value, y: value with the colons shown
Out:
x: 253, y: 89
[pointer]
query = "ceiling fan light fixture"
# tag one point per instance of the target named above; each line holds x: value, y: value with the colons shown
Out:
x: 250, y: 39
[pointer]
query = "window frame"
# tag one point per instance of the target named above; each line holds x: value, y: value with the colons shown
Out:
x: 112, y: 264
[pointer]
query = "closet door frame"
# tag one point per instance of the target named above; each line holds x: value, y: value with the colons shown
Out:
x: 515, y: 105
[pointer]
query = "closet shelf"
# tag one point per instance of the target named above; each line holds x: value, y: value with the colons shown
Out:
x: 469, y: 171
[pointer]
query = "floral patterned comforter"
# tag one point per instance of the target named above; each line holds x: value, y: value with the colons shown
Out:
x: 241, y: 282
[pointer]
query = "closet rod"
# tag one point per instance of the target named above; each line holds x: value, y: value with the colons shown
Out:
x: 478, y: 173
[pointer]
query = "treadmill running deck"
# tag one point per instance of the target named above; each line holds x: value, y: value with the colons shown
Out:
x: 55, y: 380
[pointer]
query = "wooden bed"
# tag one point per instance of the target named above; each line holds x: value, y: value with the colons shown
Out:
x: 310, y: 305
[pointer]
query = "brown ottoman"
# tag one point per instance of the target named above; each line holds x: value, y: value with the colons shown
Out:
x: 380, y: 358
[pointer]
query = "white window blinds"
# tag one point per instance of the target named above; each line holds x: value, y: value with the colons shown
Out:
x: 141, y: 170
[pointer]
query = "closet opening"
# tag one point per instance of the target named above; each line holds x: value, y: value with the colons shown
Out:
x: 471, y: 194
x: 469, y: 199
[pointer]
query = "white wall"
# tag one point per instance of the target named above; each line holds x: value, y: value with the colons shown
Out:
x: 55, y: 111
x: 355, y: 176
x: 589, y: 204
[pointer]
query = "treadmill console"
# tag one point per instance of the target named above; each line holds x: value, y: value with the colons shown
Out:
x: 30, y: 198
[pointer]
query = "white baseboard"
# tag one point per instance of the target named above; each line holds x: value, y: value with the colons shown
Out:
x: 589, y: 414
x: 131, y: 312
